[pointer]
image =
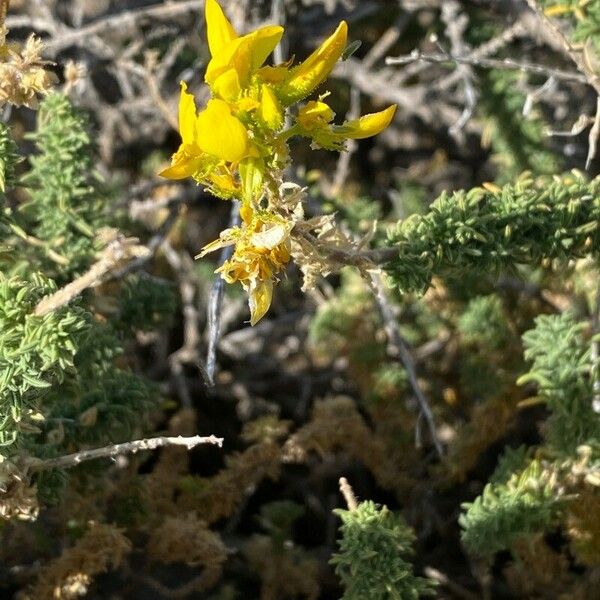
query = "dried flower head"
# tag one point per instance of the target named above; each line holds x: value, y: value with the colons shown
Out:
x: 23, y: 73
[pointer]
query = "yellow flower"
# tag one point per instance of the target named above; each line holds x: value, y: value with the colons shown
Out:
x: 209, y: 140
x: 262, y: 249
x: 238, y: 148
x: 234, y: 58
x: 304, y: 78
x: 314, y: 122
x: 367, y: 125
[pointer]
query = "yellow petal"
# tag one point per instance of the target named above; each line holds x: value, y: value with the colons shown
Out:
x: 304, y: 78
x: 183, y: 165
x: 246, y: 213
x: 187, y: 115
x: 227, y: 85
x: 226, y: 239
x: 219, y: 30
x: 259, y: 300
x: 247, y: 104
x: 262, y: 42
x: 270, y: 110
x: 367, y: 125
x: 224, y: 183
x: 245, y: 54
x: 221, y: 134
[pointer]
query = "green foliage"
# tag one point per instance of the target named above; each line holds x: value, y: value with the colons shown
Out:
x: 373, y: 560
x: 146, y: 303
x: 483, y: 231
x: 390, y: 379
x: 346, y: 324
x: 35, y: 352
x: 66, y: 208
x: 561, y: 367
x: 521, y: 500
x: 484, y: 323
x: 513, y: 460
x: 8, y: 161
x: 506, y: 511
x: 63, y: 380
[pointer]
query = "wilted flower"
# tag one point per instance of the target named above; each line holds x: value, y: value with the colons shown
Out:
x: 262, y: 250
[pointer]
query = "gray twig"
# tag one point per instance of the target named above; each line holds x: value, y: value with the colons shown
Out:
x: 120, y: 21
x: 216, y: 301
x: 72, y: 460
x: 482, y: 61
x: 398, y: 348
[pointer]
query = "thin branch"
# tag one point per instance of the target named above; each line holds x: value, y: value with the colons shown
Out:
x: 216, y: 301
x: 488, y: 48
x: 72, y: 460
x: 578, y: 58
x: 278, y: 18
x: 343, y: 163
x: 399, y: 349
x: 116, y: 252
x: 121, y: 21
x: 183, y: 267
x: 456, y: 23
x: 3, y: 9
x: 482, y: 61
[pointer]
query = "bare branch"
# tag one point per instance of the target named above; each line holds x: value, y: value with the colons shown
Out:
x: 399, y: 349
x: 216, y: 301
x: 491, y: 63
x: 72, y: 460
x: 593, y: 137
x: 121, y: 20
x: 116, y: 252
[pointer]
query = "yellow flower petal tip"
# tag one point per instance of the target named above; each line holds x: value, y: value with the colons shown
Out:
x: 305, y: 77
x: 244, y: 54
x: 187, y: 115
x: 259, y: 300
x: 368, y: 125
x: 219, y: 30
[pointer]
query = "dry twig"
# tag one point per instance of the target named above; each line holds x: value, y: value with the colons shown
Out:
x: 482, y: 61
x: 116, y: 252
x: 72, y: 460
x: 397, y: 347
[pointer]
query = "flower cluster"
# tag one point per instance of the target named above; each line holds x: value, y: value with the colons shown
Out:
x: 237, y: 145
